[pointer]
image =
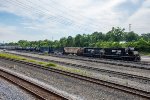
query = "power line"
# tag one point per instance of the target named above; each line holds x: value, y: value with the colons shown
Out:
x: 72, y: 11
x: 39, y: 11
x: 56, y: 13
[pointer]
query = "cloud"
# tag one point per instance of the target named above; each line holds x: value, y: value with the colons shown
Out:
x: 58, y: 18
x: 11, y: 34
x: 140, y: 20
x: 8, y: 33
x: 136, y: 1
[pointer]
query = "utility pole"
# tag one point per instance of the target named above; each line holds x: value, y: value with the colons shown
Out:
x: 52, y: 38
x: 130, y: 27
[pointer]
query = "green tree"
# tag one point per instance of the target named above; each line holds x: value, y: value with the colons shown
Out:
x: 70, y: 41
x: 146, y: 36
x: 24, y: 43
x: 97, y: 36
x: 143, y: 45
x: 77, y: 40
x: 131, y: 36
x: 56, y: 44
x: 116, y: 35
x: 63, y: 42
x: 84, y: 39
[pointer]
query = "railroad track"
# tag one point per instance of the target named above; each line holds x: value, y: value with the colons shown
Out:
x: 140, y: 65
x: 127, y: 89
x: 35, y: 89
x: 127, y: 75
x: 106, y: 61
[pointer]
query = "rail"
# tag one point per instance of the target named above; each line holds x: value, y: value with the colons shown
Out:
x: 127, y: 89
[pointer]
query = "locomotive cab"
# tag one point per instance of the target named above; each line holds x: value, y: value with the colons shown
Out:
x: 133, y: 54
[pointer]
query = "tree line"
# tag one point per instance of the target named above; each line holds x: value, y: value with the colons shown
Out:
x: 116, y: 37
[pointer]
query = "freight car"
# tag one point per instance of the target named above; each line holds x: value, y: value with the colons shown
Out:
x: 73, y: 50
x: 8, y: 47
x: 36, y: 49
x: 45, y: 49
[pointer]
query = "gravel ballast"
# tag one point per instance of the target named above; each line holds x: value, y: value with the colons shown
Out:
x: 82, y: 89
x: 118, y: 68
x: 9, y: 91
x: 127, y: 81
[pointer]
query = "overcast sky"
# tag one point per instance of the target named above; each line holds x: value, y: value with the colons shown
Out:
x: 53, y: 19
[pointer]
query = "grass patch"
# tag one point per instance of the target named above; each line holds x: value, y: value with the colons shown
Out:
x: 51, y: 64
x: 73, y: 70
x: 12, y: 56
x: 42, y: 63
x: 45, y: 64
x: 23, y: 59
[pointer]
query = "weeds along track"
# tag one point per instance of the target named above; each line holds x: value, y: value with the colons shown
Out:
x: 40, y: 92
x: 110, y: 72
x: 127, y: 89
x: 140, y: 65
